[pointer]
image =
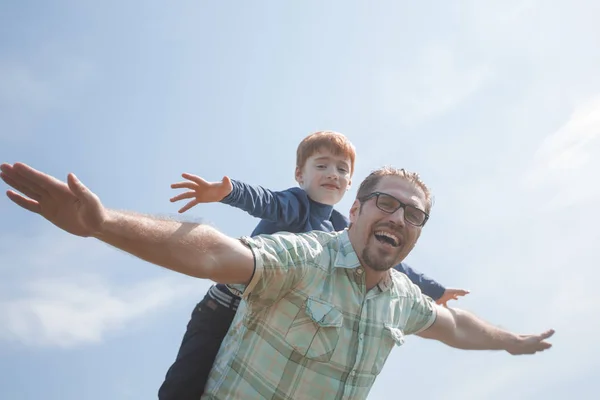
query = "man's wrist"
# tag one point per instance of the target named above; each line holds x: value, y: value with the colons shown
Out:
x: 111, y: 218
x: 511, y: 342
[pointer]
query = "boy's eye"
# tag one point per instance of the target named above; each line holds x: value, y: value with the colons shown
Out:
x: 343, y: 170
x: 320, y: 166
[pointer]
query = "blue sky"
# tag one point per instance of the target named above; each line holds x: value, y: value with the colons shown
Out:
x: 496, y: 104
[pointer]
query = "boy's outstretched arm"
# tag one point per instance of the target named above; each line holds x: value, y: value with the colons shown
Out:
x: 430, y: 287
x: 286, y: 207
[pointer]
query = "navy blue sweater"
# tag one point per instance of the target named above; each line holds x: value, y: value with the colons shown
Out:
x: 293, y: 211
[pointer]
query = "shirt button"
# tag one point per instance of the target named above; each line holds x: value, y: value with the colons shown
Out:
x: 361, y: 336
x: 353, y: 373
x: 359, y: 271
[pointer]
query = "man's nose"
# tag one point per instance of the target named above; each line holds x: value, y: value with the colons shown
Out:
x: 397, y: 218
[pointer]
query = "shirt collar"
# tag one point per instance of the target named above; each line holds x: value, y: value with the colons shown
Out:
x: 347, y: 258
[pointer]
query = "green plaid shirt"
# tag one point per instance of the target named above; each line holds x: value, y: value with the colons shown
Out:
x: 308, y: 328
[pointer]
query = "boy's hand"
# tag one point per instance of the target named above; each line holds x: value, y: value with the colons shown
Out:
x: 201, y: 191
x: 451, y: 294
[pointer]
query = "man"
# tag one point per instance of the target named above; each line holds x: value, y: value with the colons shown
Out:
x: 322, y: 311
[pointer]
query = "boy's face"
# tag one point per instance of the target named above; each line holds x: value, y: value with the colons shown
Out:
x: 325, y: 177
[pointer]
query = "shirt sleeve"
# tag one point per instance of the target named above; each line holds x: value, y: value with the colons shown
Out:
x: 280, y: 263
x: 287, y: 207
x: 422, y: 312
x: 427, y: 285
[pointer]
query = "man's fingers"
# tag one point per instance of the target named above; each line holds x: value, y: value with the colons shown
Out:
x: 188, y: 206
x: 37, y: 178
x: 24, y: 202
x: 78, y: 188
x: 195, y: 178
x: 184, y: 185
x: 9, y: 171
x: 182, y: 196
x: 546, y: 334
x: 23, y: 189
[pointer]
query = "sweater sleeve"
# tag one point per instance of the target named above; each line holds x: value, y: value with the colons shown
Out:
x: 287, y: 207
x: 427, y: 285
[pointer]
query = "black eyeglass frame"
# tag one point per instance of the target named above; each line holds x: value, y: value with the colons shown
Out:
x: 401, y: 205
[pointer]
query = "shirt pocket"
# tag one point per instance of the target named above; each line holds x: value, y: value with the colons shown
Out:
x: 315, y: 331
x: 390, y: 337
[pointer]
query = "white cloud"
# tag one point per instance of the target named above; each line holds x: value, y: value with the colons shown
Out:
x: 569, y: 160
x: 61, y: 290
x: 82, y: 309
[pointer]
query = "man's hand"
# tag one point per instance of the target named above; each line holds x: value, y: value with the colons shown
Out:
x: 70, y: 206
x: 451, y: 294
x: 529, y: 344
x: 201, y: 191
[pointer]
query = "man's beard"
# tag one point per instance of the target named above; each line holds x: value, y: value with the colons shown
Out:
x: 377, y: 265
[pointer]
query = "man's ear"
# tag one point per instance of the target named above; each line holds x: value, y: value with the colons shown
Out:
x: 299, y: 176
x: 354, y: 211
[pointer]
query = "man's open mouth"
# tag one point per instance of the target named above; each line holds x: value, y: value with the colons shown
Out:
x: 387, y: 238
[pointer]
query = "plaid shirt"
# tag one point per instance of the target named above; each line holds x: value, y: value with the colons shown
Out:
x: 308, y: 328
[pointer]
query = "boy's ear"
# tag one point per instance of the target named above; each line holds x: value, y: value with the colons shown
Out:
x: 298, y: 175
x: 349, y: 184
x: 354, y: 211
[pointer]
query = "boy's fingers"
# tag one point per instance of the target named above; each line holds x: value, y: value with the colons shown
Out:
x: 459, y: 292
x: 188, y: 206
x: 184, y: 185
x: 182, y: 196
x: 195, y: 178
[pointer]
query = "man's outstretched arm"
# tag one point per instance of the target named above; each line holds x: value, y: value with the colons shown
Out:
x: 463, y: 330
x: 191, y: 249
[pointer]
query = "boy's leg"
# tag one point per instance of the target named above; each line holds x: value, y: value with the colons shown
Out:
x: 207, y: 328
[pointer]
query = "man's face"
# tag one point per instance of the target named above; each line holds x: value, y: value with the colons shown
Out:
x: 325, y: 177
x: 382, y: 240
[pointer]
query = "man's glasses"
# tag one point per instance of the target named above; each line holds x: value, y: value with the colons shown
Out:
x: 389, y: 204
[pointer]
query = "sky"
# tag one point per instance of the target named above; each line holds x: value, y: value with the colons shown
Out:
x: 496, y: 104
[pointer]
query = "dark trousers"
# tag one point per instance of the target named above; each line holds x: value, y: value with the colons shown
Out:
x: 186, y: 378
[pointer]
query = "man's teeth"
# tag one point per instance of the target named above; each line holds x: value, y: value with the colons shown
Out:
x: 388, y: 237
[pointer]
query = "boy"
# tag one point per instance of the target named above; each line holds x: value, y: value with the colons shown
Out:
x: 324, y: 168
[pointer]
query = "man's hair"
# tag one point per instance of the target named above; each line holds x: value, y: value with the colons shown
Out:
x: 335, y: 142
x: 368, y: 185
